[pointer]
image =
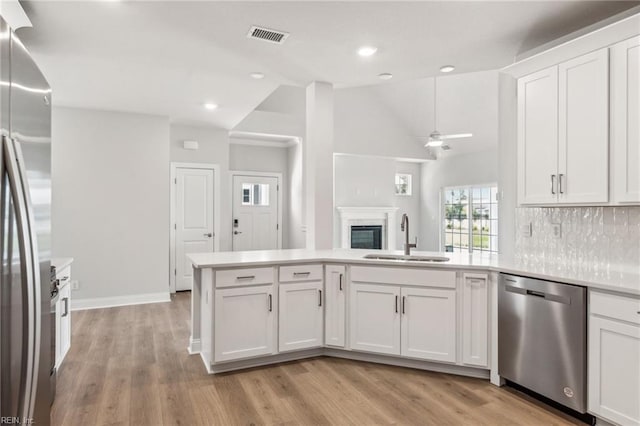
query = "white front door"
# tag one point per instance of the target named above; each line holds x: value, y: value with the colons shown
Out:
x: 194, y: 220
x: 255, y: 213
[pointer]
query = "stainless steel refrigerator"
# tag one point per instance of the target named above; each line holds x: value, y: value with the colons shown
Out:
x: 26, y: 367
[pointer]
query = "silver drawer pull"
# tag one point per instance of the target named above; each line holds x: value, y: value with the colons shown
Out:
x: 247, y: 277
x: 299, y: 274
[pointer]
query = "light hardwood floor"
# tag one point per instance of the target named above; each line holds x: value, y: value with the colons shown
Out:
x: 129, y: 365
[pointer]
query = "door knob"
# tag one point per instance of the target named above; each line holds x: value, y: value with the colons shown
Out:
x: 237, y: 232
x: 208, y: 235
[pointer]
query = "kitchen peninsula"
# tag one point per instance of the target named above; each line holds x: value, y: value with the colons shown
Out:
x: 262, y: 307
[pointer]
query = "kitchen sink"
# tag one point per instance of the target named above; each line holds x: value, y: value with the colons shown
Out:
x: 406, y: 258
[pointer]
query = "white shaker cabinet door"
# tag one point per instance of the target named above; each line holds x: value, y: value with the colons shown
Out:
x: 583, y: 169
x: 538, y: 137
x: 301, y: 315
x: 335, y: 306
x: 614, y: 370
x: 475, y: 319
x: 428, y: 324
x: 244, y: 322
x: 375, y: 318
x: 625, y: 120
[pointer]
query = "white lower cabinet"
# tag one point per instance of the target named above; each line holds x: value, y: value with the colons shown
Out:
x: 301, y: 315
x: 428, y: 325
x: 63, y: 325
x: 335, y: 305
x: 614, y: 358
x: 475, y: 319
x: 412, y: 322
x: 244, y: 319
x: 375, y: 318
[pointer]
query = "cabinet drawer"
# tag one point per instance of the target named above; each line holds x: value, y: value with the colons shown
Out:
x: 614, y: 306
x: 242, y: 277
x: 300, y: 273
x: 404, y: 276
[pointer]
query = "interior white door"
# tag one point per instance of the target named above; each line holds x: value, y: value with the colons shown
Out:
x: 375, y: 318
x: 255, y: 213
x: 538, y: 137
x: 583, y: 169
x: 194, y: 220
x: 429, y: 324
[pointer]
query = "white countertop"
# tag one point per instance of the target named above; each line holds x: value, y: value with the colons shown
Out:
x: 61, y: 262
x: 624, y: 280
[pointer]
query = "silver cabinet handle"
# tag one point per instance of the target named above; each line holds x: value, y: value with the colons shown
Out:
x: 396, y: 304
x: 553, y: 184
x: 560, y: 189
x: 66, y: 306
x: 246, y: 277
x: 209, y: 234
x: 301, y: 274
x: 404, y: 302
x: 270, y: 303
x: 340, y: 282
x: 319, y: 297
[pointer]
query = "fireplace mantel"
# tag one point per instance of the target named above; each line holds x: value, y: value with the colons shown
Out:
x: 385, y: 216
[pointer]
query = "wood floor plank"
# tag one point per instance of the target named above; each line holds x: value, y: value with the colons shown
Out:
x: 130, y: 366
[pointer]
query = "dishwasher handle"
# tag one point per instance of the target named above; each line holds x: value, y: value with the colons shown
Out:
x: 547, y: 296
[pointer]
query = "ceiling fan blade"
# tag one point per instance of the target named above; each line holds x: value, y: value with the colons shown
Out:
x: 445, y: 147
x: 457, y: 136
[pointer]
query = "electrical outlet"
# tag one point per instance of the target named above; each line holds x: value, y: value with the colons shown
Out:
x: 75, y: 285
x: 526, y: 230
x: 556, y: 228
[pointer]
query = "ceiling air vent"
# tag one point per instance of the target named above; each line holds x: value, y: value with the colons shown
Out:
x: 265, y: 34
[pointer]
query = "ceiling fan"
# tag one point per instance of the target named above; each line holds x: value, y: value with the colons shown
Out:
x: 437, y: 139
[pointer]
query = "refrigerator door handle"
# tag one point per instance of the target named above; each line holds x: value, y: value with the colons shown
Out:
x: 30, y: 272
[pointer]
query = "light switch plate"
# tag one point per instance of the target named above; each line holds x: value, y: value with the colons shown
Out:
x: 75, y: 285
x: 526, y: 230
x: 556, y: 228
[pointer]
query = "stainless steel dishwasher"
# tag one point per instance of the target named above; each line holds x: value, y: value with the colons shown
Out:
x: 542, y: 338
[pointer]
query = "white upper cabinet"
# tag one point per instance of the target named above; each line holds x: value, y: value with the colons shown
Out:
x: 625, y: 121
x: 538, y: 137
x: 583, y: 169
x: 335, y: 305
x: 563, y: 133
x: 428, y: 327
x: 301, y: 315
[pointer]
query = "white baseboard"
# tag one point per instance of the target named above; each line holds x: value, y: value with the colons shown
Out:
x: 110, y: 302
x: 195, y: 346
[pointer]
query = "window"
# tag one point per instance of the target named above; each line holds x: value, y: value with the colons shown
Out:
x: 255, y: 194
x: 403, y: 184
x: 471, y: 219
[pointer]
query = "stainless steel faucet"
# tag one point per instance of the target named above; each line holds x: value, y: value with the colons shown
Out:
x: 404, y: 226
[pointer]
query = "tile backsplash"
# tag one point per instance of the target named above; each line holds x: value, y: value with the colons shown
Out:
x: 596, y: 239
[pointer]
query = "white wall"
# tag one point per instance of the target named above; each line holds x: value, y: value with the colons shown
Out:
x: 213, y: 149
x: 110, y: 207
x: 250, y: 158
x: 362, y: 181
x: 468, y: 169
x: 365, y: 125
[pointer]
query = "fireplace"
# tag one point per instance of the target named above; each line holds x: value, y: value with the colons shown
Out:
x: 372, y: 227
x: 366, y: 237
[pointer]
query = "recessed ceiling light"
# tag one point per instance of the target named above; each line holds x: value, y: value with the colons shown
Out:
x: 385, y: 76
x: 210, y: 106
x: 367, y: 50
x: 257, y: 75
x: 447, y: 68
